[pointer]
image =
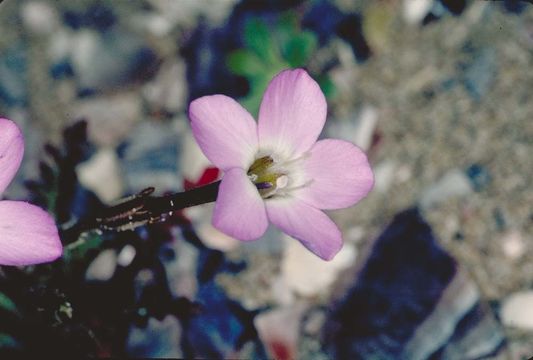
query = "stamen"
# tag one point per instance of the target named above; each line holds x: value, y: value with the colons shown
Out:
x: 264, y: 185
x: 260, y: 165
x: 272, y: 175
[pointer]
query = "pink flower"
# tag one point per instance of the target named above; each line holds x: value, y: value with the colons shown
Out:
x: 28, y: 235
x: 276, y: 169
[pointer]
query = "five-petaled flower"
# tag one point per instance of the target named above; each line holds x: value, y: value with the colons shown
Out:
x: 28, y: 235
x: 276, y: 169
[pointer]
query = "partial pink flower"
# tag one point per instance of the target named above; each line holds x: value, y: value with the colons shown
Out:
x: 275, y: 170
x: 28, y: 235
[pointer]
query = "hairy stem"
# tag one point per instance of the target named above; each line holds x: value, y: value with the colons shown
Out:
x: 141, y: 209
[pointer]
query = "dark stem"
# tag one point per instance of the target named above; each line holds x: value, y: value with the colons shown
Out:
x: 141, y: 209
x: 197, y: 196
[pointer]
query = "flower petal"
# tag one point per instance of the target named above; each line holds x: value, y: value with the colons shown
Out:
x: 225, y: 131
x: 314, y: 229
x: 239, y: 209
x: 11, y: 151
x: 28, y: 235
x: 292, y: 113
x: 339, y: 175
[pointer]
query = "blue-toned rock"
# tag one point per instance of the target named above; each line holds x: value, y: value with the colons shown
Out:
x: 411, y: 300
x: 480, y: 72
x: 13, y: 76
x: 150, y: 158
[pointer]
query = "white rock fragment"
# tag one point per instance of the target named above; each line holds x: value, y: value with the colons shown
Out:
x: 360, y: 131
x: 414, y: 11
x: 110, y: 118
x: 281, y: 292
x: 181, y: 268
x: 39, y: 17
x: 159, y: 339
x: 186, y: 12
x: 453, y: 183
x: 103, y: 266
x: 384, y: 175
x: 308, y: 275
x: 101, y: 175
x: 60, y: 45
x: 279, y: 330
x: 154, y: 23
x: 517, y: 310
x: 404, y: 173
x: 212, y: 237
x: 126, y: 255
x: 354, y: 234
x: 168, y: 90
x: 314, y: 323
x: 85, y: 45
x: 513, y: 245
x: 201, y: 216
x: 367, y: 122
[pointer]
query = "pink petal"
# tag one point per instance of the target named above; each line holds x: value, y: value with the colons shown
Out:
x: 11, y: 151
x: 339, y: 175
x: 225, y: 131
x: 28, y: 235
x: 310, y: 226
x: 239, y: 209
x: 292, y: 113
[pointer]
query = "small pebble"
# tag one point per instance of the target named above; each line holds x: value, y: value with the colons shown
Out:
x: 359, y: 131
x: 384, y: 174
x: 279, y: 330
x: 110, y: 118
x: 160, y: 339
x: 454, y: 183
x: 101, y: 175
x: 103, y: 266
x: 168, y: 91
x: 297, y: 261
x: 513, y: 245
x: 126, y: 255
x: 414, y: 11
x: 39, y: 17
x: 517, y: 310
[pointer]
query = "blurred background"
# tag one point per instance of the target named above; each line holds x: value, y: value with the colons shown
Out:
x: 437, y: 259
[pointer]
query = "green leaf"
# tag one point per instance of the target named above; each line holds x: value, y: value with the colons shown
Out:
x: 299, y: 49
x: 7, y: 341
x: 258, y: 86
x: 327, y: 86
x: 79, y: 248
x: 7, y: 304
x: 244, y: 62
x: 257, y: 38
x: 286, y: 27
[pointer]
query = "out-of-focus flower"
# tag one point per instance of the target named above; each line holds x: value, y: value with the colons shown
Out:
x: 28, y: 235
x: 276, y: 169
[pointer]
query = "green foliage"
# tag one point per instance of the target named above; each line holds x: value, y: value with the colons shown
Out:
x: 7, y: 341
x: 7, y: 304
x: 77, y: 250
x: 269, y: 50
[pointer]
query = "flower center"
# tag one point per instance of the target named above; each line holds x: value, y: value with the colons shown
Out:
x: 272, y: 177
x: 266, y: 177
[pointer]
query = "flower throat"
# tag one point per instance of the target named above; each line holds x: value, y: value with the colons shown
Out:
x: 265, y: 177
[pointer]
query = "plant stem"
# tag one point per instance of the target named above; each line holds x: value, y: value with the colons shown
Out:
x: 141, y: 209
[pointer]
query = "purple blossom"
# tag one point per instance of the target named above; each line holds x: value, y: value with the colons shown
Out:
x: 28, y: 235
x: 276, y: 169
